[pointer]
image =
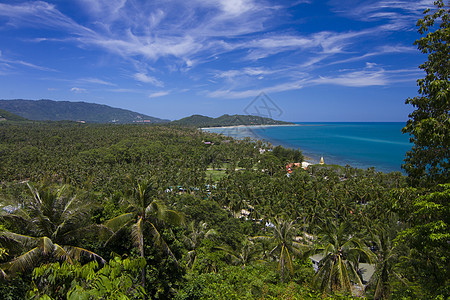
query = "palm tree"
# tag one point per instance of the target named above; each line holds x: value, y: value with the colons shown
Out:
x: 195, y: 236
x: 145, y: 215
x: 285, y: 246
x: 387, y: 255
x: 46, y: 224
x: 341, y: 251
x: 247, y: 253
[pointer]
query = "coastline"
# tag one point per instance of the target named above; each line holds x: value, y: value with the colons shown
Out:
x: 306, y: 159
x: 358, y: 144
x: 249, y: 126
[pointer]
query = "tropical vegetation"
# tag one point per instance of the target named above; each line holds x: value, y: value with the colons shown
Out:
x: 92, y: 211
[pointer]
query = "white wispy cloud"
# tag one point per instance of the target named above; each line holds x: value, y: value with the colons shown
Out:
x: 371, y: 75
x: 237, y: 94
x: 96, y: 81
x: 250, y: 71
x: 142, y: 77
x: 78, y: 90
x: 40, y: 14
x: 9, y: 61
x: 401, y: 14
x: 355, y: 79
x: 159, y: 94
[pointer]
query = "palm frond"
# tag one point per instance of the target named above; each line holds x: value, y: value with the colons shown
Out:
x: 96, y: 231
x: 46, y: 245
x: 118, y: 222
x: 66, y: 210
x: 60, y: 253
x: 25, y: 240
x: 77, y: 252
x: 116, y: 234
x: 3, y: 274
x: 137, y: 234
x: 261, y: 237
x: 160, y: 242
x: 287, y: 258
x: 172, y: 217
x: 155, y: 208
x: 25, y: 261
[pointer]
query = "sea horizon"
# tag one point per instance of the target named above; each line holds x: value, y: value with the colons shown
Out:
x: 359, y: 144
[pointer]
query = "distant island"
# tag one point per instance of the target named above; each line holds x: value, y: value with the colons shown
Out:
x: 50, y: 110
x: 227, y: 120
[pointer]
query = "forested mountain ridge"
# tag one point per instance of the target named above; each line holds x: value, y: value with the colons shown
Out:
x: 50, y: 110
x: 227, y: 120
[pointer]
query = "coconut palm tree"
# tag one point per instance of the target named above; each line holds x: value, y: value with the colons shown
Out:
x: 46, y: 225
x: 387, y: 255
x: 145, y: 215
x: 341, y: 251
x: 285, y: 245
x: 248, y: 253
x: 192, y: 240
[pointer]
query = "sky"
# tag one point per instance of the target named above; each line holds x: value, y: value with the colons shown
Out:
x: 301, y: 61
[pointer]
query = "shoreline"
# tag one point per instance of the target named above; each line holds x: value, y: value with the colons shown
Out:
x: 250, y: 126
x: 306, y: 159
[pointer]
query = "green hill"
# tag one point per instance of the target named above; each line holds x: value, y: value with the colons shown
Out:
x: 43, y: 110
x: 226, y: 120
x: 7, y: 116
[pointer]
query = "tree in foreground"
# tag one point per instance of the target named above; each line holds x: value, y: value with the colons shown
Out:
x: 285, y: 245
x: 46, y: 226
x: 342, y: 252
x: 145, y: 215
x: 428, y: 239
x: 429, y: 124
x: 117, y: 279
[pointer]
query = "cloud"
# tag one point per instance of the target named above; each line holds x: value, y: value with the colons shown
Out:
x: 235, y: 7
x: 370, y: 75
x: 238, y: 94
x: 24, y: 63
x: 40, y: 14
x: 158, y: 94
x: 244, y: 44
x: 361, y: 78
x: 142, y: 77
x: 78, y: 90
x: 96, y: 81
x: 401, y: 14
x: 249, y: 71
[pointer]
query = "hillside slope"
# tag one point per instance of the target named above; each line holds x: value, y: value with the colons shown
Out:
x: 7, y: 116
x: 41, y: 110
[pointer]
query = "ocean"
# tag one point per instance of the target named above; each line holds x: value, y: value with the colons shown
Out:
x: 361, y: 145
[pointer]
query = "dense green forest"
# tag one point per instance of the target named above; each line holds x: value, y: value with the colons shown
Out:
x: 154, y: 211
x: 92, y: 211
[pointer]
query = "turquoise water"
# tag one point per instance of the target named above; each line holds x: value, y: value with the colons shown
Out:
x: 360, y: 145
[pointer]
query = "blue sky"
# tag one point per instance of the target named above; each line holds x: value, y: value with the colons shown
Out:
x: 336, y: 60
